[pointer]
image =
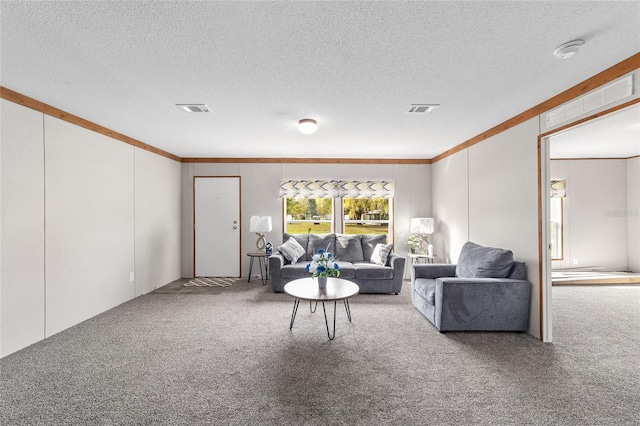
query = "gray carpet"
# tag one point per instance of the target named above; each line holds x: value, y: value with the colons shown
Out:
x: 232, y: 360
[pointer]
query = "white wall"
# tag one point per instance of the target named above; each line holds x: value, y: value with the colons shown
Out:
x: 22, y: 244
x: 157, y: 221
x: 260, y: 186
x: 89, y: 223
x: 489, y: 193
x: 633, y: 214
x: 72, y: 213
x: 451, y: 206
x: 594, y: 213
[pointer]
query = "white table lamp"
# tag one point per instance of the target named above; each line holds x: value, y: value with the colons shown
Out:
x: 260, y: 225
x: 422, y: 226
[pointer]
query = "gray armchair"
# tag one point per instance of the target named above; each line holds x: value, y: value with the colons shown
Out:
x: 467, y: 297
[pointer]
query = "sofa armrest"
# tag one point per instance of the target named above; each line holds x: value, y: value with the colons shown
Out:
x: 432, y: 270
x: 276, y: 262
x: 397, y: 263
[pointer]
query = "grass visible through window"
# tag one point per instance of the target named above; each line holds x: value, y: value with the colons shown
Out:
x: 325, y: 228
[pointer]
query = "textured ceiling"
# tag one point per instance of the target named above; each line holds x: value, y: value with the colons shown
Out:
x: 261, y: 66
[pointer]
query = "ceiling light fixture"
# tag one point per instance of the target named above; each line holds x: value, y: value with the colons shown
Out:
x: 307, y: 126
x: 568, y: 49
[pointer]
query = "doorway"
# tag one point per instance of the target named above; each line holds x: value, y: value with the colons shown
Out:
x: 216, y: 226
x: 596, y: 158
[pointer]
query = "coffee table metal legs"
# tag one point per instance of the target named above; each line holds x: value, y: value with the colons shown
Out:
x: 347, y: 309
x: 296, y: 302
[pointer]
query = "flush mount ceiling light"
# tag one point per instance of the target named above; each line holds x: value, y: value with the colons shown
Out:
x: 307, y: 126
x: 194, y: 107
x: 568, y: 49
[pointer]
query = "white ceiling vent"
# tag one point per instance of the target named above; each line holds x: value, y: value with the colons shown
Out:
x: 422, y: 108
x: 194, y: 107
x: 597, y: 99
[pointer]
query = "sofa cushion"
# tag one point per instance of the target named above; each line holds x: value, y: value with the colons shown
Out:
x: 369, y: 242
x: 426, y: 288
x: 292, y: 250
x: 347, y: 270
x: 381, y: 253
x: 477, y: 261
x: 295, y: 271
x: 371, y: 271
x: 349, y: 248
x: 326, y: 242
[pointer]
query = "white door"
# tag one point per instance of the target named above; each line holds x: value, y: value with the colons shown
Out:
x: 217, y: 226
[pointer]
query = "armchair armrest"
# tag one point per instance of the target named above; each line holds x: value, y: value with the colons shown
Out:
x: 482, y: 304
x: 432, y: 270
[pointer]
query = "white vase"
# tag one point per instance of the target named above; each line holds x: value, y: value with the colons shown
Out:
x: 322, y: 283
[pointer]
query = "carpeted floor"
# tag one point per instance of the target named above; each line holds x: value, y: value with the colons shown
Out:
x: 232, y: 360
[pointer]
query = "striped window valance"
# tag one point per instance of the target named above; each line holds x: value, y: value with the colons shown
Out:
x: 337, y: 189
x: 558, y: 188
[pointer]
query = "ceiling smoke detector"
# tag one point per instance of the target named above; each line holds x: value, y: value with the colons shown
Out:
x: 422, y: 108
x: 568, y: 49
x: 194, y: 107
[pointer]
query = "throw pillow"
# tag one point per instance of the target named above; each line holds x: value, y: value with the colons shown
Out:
x: 291, y: 250
x: 369, y: 242
x: 476, y: 261
x: 381, y: 253
x: 321, y: 241
x: 302, y: 239
x: 349, y: 248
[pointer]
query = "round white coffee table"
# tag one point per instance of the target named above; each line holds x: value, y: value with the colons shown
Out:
x: 307, y: 289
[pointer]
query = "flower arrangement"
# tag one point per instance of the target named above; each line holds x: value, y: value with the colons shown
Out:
x: 323, y: 265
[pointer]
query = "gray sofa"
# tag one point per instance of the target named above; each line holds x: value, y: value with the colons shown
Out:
x: 487, y: 290
x: 353, y: 254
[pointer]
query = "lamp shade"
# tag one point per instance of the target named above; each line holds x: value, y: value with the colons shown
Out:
x: 260, y: 224
x: 421, y: 225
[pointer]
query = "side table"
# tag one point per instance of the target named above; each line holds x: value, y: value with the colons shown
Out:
x: 415, y: 257
x: 263, y: 263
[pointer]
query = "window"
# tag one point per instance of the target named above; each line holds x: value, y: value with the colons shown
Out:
x: 366, y: 206
x: 367, y: 215
x: 555, y: 226
x: 308, y: 215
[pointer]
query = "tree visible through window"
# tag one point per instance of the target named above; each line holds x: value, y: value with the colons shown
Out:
x: 309, y: 215
x: 366, y: 215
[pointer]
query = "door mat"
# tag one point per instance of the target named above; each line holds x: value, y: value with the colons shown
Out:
x: 210, y: 282
x: 196, y: 286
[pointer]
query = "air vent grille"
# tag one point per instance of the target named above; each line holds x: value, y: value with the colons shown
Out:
x: 597, y: 99
x: 422, y: 108
x: 194, y: 107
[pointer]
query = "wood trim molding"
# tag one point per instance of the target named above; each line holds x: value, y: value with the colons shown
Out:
x: 628, y: 65
x: 541, y: 249
x: 309, y: 160
x: 28, y: 102
x: 594, y: 158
